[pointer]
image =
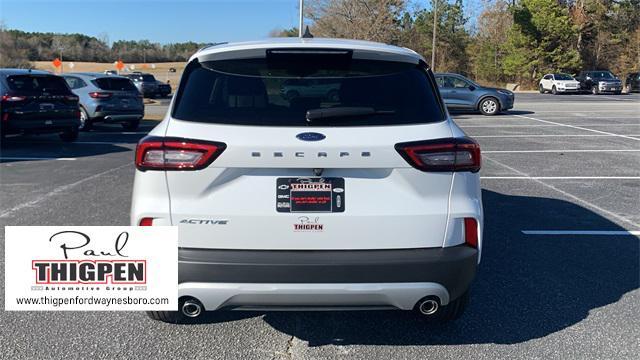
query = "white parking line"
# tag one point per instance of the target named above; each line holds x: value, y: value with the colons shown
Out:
x: 571, y: 196
x: 546, y: 135
x: 558, y: 151
x: 82, y: 142
x: 538, y: 125
x: 58, y: 190
x: 120, y: 132
x: 560, y: 177
x: 578, y: 127
x: 35, y: 158
x: 582, y: 232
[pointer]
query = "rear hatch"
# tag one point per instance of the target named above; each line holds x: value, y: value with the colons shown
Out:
x: 307, y: 171
x: 36, y: 100
x: 120, y: 95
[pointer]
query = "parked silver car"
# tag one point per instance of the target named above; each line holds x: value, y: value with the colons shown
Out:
x: 106, y: 98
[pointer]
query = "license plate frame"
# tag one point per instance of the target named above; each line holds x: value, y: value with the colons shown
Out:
x: 310, y: 195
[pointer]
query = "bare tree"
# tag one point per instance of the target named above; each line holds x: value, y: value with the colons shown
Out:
x: 375, y: 20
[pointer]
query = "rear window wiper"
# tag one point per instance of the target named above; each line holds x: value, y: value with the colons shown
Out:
x: 344, y: 111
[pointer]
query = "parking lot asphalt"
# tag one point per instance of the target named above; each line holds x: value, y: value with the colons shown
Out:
x: 566, y: 163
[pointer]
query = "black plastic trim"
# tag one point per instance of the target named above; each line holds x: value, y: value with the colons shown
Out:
x: 453, y: 267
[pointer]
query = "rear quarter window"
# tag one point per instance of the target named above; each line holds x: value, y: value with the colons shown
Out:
x: 259, y: 92
x: 115, y: 84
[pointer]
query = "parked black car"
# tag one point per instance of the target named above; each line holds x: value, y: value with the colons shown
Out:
x: 37, y: 102
x: 632, y: 82
x: 148, y: 85
x: 599, y: 81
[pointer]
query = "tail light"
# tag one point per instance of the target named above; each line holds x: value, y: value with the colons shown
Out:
x: 471, y: 232
x: 5, y: 117
x: 158, y: 153
x: 100, y: 95
x: 443, y: 155
x: 13, y: 98
x: 146, y: 221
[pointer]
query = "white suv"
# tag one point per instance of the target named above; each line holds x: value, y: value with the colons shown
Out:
x: 366, y: 200
x: 558, y: 83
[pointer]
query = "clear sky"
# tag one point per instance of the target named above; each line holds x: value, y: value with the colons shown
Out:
x: 162, y: 21
x: 166, y: 21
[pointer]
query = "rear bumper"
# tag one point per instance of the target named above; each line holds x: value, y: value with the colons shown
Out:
x: 568, y: 90
x: 40, y: 126
x: 293, y: 277
x: 119, y: 116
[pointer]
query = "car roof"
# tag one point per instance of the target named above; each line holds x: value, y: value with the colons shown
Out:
x: 93, y: 75
x: 256, y: 49
x: 9, y: 72
x: 447, y: 73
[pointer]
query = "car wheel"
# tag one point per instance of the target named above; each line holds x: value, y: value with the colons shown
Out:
x: 594, y: 90
x: 70, y: 134
x: 131, y: 125
x: 85, y: 121
x: 541, y: 89
x: 489, y: 106
x: 554, y: 91
x: 450, y: 312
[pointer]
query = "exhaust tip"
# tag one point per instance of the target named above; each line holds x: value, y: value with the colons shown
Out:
x: 428, y: 306
x: 192, y: 308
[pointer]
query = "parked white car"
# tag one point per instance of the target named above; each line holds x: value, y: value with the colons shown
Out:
x: 559, y: 83
x: 367, y: 200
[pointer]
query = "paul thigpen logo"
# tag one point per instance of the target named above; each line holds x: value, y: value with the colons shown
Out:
x: 117, y: 269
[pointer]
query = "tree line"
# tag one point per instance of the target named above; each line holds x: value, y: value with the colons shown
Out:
x: 510, y: 41
x: 18, y: 48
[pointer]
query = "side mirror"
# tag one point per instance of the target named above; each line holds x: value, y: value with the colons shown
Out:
x: 471, y: 87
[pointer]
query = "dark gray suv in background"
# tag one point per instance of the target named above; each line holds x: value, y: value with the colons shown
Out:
x: 460, y: 93
x: 148, y: 85
x: 599, y: 82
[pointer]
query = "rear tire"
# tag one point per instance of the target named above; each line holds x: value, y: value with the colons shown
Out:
x: 70, y: 134
x: 85, y: 121
x: 454, y: 309
x: 131, y: 125
x: 489, y: 106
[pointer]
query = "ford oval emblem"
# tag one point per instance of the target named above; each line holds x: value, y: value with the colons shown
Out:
x: 310, y: 136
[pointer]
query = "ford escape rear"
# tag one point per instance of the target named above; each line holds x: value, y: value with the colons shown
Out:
x: 366, y: 199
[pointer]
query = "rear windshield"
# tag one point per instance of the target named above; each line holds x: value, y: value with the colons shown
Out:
x: 563, y: 77
x: 284, y: 91
x: 114, y: 84
x: 602, y: 75
x: 38, y: 84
